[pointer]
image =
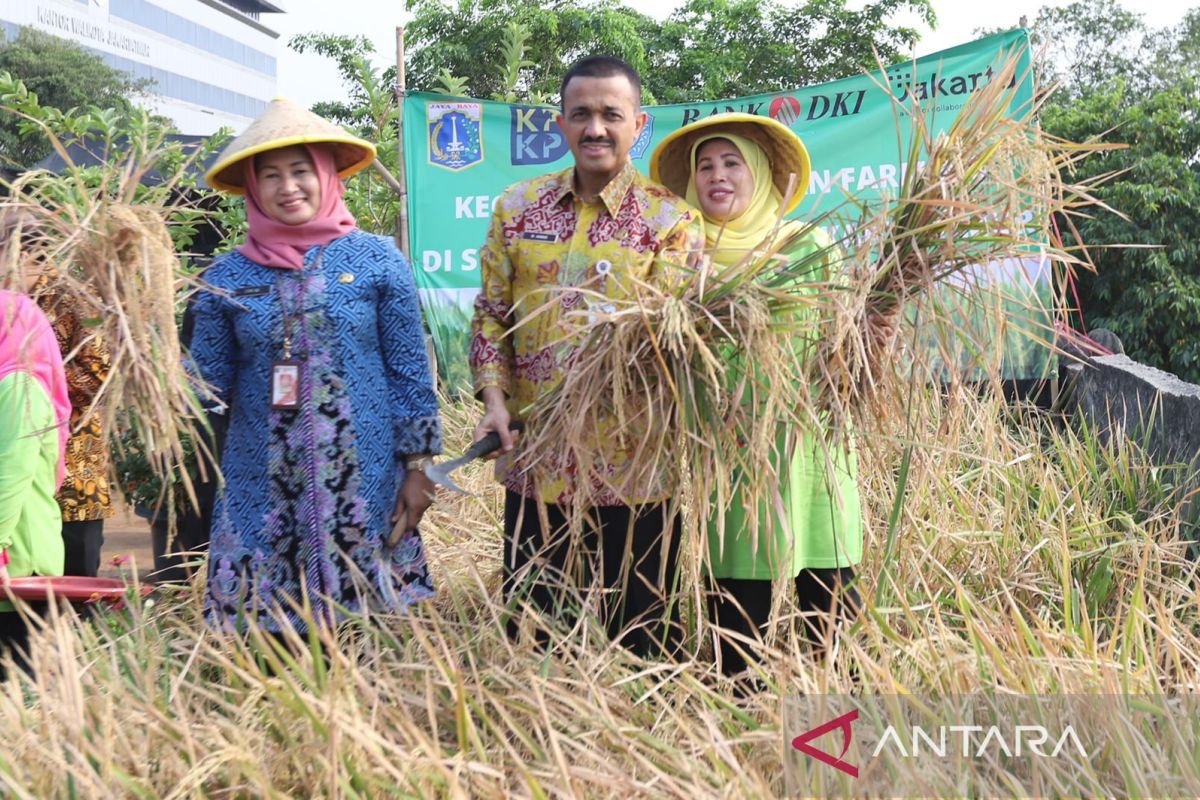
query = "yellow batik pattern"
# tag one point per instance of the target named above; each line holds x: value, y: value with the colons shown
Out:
x: 549, y: 255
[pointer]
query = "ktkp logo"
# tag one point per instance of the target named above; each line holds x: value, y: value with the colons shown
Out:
x: 535, y: 139
x: 842, y: 723
x: 643, y: 140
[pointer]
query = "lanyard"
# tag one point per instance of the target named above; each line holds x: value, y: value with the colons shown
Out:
x: 298, y: 309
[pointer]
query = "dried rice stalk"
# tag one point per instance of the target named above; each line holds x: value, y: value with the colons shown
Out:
x: 705, y: 381
x: 116, y: 259
x: 135, y: 272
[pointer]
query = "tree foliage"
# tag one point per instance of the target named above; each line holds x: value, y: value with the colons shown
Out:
x: 1123, y: 82
x: 370, y: 110
x: 63, y: 76
x: 1086, y: 43
x: 468, y: 40
x: 712, y: 49
x: 707, y: 49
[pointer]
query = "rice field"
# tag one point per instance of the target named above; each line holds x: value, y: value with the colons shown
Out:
x: 1026, y: 557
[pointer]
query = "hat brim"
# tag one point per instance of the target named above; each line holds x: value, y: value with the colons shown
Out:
x: 351, y: 155
x: 670, y: 163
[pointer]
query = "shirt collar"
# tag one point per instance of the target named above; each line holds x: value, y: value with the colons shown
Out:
x: 611, y: 195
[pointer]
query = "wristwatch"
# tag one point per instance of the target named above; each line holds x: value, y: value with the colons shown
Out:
x: 418, y: 463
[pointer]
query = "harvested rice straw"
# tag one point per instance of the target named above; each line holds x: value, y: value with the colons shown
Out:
x: 138, y: 287
x: 119, y: 262
x: 704, y: 380
x: 105, y: 230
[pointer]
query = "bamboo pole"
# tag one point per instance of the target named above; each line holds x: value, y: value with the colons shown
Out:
x: 401, y: 182
x: 387, y: 177
x: 402, y: 176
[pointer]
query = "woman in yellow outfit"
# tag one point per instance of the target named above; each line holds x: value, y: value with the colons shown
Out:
x: 735, y: 168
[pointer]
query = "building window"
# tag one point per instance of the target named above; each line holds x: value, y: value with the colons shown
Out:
x: 184, y: 30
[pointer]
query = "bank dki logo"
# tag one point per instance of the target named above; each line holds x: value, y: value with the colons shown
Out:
x: 534, y: 136
x: 643, y: 141
x: 455, y: 134
x: 785, y: 110
x: 842, y: 723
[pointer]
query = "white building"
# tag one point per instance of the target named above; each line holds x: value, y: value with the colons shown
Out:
x: 212, y: 61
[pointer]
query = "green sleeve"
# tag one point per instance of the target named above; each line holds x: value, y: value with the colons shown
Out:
x: 22, y: 416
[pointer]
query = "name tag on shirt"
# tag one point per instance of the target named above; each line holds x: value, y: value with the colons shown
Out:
x: 535, y: 236
x: 251, y: 291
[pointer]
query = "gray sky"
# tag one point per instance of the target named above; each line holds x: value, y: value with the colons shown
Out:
x: 309, y: 78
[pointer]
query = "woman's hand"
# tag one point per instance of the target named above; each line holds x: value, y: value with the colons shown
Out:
x: 414, y: 498
x: 3, y: 565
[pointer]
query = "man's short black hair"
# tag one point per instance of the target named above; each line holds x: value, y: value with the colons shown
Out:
x: 601, y: 67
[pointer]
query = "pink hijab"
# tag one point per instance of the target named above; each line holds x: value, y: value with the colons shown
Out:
x: 28, y: 344
x: 276, y: 244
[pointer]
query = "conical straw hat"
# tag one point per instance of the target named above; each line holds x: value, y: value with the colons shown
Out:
x: 284, y: 124
x: 669, y: 163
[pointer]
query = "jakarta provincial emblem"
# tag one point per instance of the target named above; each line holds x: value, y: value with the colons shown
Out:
x: 455, y: 134
x: 643, y: 140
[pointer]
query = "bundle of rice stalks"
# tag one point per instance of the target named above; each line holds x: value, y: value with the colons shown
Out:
x: 102, y: 239
x: 715, y: 385
x: 981, y: 194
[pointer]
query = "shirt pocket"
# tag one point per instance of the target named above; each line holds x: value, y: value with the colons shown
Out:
x: 352, y: 299
x: 540, y: 263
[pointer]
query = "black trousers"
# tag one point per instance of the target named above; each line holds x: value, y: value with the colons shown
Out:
x: 14, y: 637
x: 743, y: 606
x: 82, y: 542
x: 629, y: 553
x: 173, y: 555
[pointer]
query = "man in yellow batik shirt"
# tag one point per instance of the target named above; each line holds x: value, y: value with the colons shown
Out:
x: 600, y: 226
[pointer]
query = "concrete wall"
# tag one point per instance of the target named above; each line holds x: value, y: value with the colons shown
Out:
x: 1154, y: 408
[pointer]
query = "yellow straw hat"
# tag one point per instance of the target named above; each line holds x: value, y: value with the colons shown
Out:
x: 669, y: 163
x: 284, y: 124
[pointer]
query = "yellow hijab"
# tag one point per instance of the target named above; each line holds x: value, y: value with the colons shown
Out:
x: 729, y: 242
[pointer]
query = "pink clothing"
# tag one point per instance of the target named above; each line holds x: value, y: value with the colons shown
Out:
x: 276, y: 244
x: 28, y: 344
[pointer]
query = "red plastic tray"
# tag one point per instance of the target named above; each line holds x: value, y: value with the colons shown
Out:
x: 67, y: 587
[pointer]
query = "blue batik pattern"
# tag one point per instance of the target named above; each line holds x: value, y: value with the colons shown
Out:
x: 309, y: 492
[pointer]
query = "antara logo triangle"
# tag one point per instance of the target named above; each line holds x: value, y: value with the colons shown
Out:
x: 842, y: 723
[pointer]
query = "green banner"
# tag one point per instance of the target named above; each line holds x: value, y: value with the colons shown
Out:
x: 461, y: 153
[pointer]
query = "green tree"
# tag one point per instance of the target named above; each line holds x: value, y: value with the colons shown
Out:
x: 707, y: 49
x: 1084, y: 44
x: 712, y: 49
x: 468, y: 40
x: 63, y: 76
x: 368, y: 109
x: 1144, y: 91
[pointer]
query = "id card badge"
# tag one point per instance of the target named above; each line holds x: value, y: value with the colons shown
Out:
x: 285, y: 384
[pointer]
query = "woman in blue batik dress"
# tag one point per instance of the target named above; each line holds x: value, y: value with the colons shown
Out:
x: 309, y: 334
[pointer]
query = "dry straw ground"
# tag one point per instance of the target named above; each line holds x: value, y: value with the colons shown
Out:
x: 1030, y: 559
